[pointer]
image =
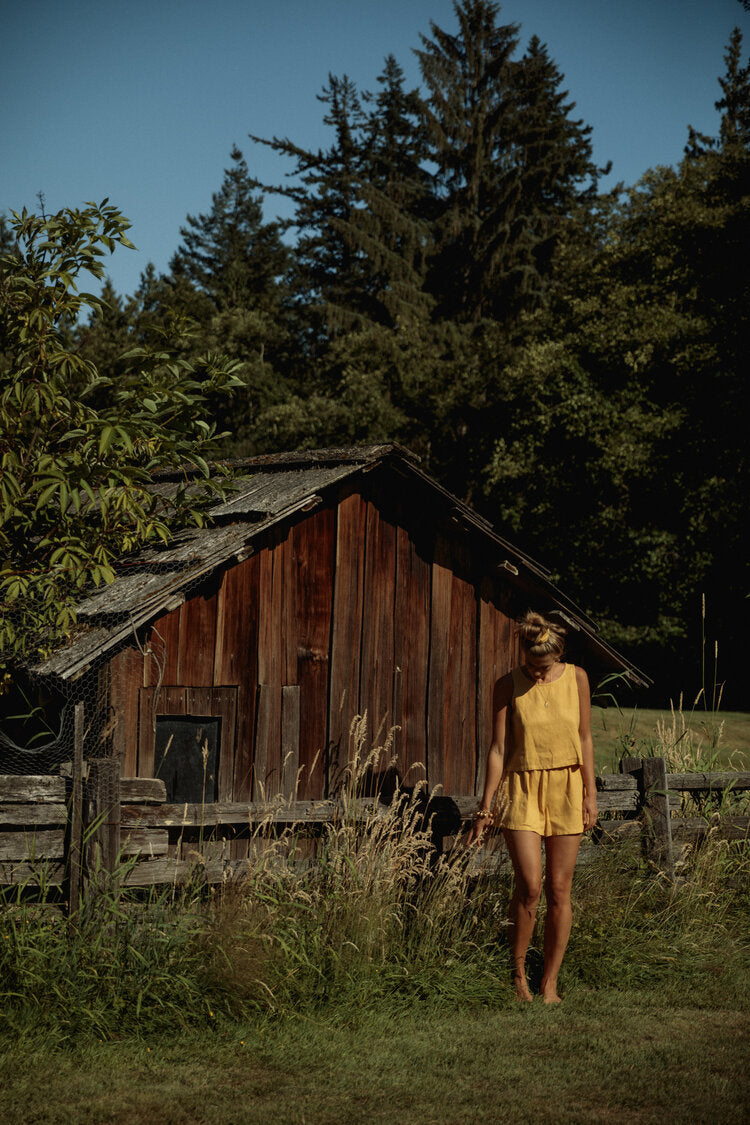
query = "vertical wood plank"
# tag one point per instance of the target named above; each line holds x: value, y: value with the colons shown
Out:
x: 265, y: 713
x: 164, y: 642
x: 512, y: 641
x: 146, y: 733
x: 125, y: 679
x: 231, y: 625
x: 493, y: 656
x: 459, y: 696
x: 440, y: 622
x: 314, y: 544
x: 272, y: 565
x: 346, y: 629
x: 411, y: 655
x: 292, y: 608
x: 224, y: 704
x: 486, y: 678
x: 103, y: 816
x: 195, y: 661
x: 290, y: 732
x: 466, y: 713
x: 247, y: 678
x: 376, y: 674
x: 222, y: 611
x: 236, y: 662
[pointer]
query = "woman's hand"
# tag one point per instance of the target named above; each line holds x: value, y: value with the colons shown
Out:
x: 474, y: 835
x: 590, y: 811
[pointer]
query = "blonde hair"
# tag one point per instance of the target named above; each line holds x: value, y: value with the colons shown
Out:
x: 541, y: 637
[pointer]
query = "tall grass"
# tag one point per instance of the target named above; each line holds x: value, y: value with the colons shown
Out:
x: 377, y: 914
x: 377, y: 920
x: 636, y: 929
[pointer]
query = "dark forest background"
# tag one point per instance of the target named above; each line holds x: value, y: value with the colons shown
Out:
x: 572, y: 362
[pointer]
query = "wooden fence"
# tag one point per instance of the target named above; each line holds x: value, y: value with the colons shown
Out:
x: 56, y: 832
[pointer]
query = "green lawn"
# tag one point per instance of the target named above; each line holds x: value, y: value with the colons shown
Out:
x: 372, y: 991
x: 599, y: 1057
x: 724, y: 735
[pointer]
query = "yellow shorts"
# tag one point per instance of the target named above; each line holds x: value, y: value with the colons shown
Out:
x: 545, y: 801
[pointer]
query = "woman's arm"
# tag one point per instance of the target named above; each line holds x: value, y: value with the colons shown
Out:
x: 590, y: 808
x: 493, y: 774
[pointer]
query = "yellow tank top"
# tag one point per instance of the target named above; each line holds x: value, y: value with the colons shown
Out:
x: 544, y: 723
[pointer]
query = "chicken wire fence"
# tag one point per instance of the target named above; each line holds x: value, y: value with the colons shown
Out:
x: 38, y: 705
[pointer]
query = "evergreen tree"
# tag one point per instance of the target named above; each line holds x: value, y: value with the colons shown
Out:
x: 230, y: 254
x: 327, y: 271
x: 510, y: 164
x: 390, y: 229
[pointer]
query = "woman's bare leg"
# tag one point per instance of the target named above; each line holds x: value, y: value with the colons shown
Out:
x: 526, y: 855
x: 560, y: 853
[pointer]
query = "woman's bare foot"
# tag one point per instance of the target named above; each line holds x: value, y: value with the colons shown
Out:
x: 523, y: 992
x: 548, y: 992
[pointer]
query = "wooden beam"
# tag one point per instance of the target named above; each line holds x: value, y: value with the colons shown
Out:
x: 146, y: 842
x: 47, y: 873
x: 39, y: 788
x: 142, y: 790
x: 722, y: 780
x: 264, y: 716
x: 239, y: 814
x: 27, y: 815
x: 32, y: 846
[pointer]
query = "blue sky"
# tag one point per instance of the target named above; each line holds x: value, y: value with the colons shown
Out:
x: 142, y: 100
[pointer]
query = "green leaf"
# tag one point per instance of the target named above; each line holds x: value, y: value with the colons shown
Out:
x: 105, y: 439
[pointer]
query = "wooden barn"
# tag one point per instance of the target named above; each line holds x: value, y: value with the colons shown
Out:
x: 331, y: 583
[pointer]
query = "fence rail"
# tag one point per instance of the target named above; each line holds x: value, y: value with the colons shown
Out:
x: 45, y: 841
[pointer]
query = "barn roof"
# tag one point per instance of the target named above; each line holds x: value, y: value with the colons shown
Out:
x: 270, y: 490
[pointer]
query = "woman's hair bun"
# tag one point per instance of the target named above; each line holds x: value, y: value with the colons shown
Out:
x: 539, y: 635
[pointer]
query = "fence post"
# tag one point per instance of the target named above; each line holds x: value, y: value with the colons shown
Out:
x: 103, y: 816
x: 632, y: 766
x: 656, y: 806
x: 76, y: 811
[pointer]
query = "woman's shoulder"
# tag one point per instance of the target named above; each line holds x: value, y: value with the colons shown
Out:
x: 581, y: 675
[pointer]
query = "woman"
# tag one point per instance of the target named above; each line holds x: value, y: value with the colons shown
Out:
x: 542, y: 754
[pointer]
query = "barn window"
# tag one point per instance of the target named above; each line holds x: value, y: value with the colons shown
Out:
x: 186, y: 756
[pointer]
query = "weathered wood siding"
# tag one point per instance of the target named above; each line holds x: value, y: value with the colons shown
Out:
x: 358, y: 606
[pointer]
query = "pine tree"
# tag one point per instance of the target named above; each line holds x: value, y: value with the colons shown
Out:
x: 510, y: 163
x: 230, y: 254
x: 427, y: 228
x: 327, y: 271
x: 391, y: 227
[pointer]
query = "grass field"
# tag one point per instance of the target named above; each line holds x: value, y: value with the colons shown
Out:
x: 654, y: 1024
x: 374, y: 986
x: 707, y: 739
x: 600, y: 1057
